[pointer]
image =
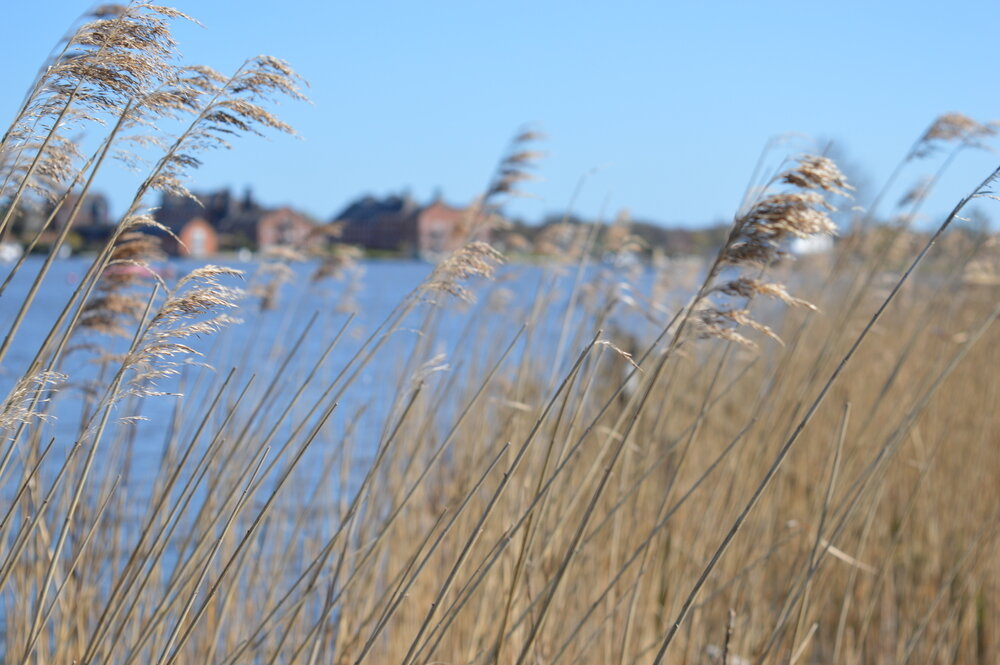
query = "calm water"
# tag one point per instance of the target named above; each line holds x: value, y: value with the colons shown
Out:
x: 263, y: 341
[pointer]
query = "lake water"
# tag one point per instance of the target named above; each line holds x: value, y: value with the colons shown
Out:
x: 459, y: 335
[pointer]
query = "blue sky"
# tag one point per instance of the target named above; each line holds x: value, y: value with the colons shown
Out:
x: 670, y: 102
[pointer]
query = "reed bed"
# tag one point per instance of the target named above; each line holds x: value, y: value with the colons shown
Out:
x: 764, y: 462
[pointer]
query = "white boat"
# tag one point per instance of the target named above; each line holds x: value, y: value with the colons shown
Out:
x: 10, y: 252
x: 811, y: 245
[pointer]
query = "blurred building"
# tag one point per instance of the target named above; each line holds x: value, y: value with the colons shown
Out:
x: 89, y: 217
x: 189, y: 237
x: 219, y: 220
x: 92, y: 212
x: 281, y: 227
x: 399, y: 224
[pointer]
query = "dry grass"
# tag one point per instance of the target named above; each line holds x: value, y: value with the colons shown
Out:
x: 682, y: 489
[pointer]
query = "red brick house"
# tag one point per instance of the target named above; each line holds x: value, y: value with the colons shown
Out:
x: 440, y: 228
x: 197, y: 238
x: 221, y: 220
x: 387, y: 224
x: 283, y: 227
x: 263, y: 229
x: 399, y: 224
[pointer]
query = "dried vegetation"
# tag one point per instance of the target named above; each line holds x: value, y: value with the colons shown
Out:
x: 635, y: 475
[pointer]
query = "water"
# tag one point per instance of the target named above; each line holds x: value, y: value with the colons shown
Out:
x: 277, y: 353
x: 462, y: 336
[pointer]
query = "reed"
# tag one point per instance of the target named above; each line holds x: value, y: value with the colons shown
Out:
x: 785, y: 462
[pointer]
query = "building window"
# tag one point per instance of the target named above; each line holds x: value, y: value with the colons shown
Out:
x: 199, y: 242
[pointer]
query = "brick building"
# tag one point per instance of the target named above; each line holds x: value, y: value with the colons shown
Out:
x: 220, y: 220
x: 93, y: 212
x: 194, y: 237
x: 399, y: 224
x: 283, y: 227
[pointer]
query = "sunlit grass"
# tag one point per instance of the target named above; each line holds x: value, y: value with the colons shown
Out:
x: 785, y: 462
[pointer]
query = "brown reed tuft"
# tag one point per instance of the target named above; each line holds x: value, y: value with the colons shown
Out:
x: 953, y: 128
x: 234, y: 106
x: 516, y: 165
x: 118, y: 301
x: 274, y: 272
x: 562, y: 241
x: 339, y: 260
x: 758, y: 239
x: 124, y: 52
x: 26, y: 401
x: 477, y: 259
x: 195, y: 308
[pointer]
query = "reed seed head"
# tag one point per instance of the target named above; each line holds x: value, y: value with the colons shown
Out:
x: 196, y: 307
x: 953, y: 127
x: 23, y: 403
x: 476, y: 259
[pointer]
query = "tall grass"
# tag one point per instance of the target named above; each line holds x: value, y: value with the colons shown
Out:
x: 785, y: 463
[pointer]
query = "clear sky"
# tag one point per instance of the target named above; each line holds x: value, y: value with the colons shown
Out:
x: 670, y: 101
